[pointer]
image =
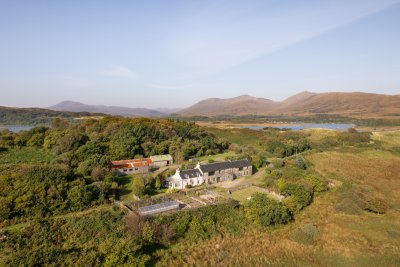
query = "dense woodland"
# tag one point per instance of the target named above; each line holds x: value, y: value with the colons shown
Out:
x: 41, y: 199
x: 36, y: 116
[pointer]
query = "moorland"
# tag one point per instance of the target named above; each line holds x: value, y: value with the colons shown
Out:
x: 60, y: 199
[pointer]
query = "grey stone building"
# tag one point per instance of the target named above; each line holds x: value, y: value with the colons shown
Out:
x: 225, y: 171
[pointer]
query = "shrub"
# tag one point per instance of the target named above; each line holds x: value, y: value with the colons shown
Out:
x: 292, y: 204
x: 356, y: 197
x: 348, y: 206
x: 196, y: 230
x: 306, y: 234
x: 278, y: 163
x: 276, y: 173
x: 300, y: 163
x: 318, y: 184
x: 138, y: 186
x: 376, y: 205
x: 157, y: 183
x: 299, y: 192
x: 264, y: 211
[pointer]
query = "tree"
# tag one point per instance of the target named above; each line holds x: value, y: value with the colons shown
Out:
x: 126, y: 142
x: 138, y: 186
x: 36, y: 140
x: 158, y: 183
x: 264, y: 211
x: 98, y: 174
x: 257, y: 161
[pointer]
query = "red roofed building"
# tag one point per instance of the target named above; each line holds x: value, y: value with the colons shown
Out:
x: 132, y: 166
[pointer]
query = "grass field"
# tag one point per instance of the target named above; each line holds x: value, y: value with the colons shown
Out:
x: 389, y: 139
x: 217, y: 157
x: 26, y: 155
x: 243, y: 195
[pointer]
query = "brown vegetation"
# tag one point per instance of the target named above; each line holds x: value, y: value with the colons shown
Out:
x: 305, y: 103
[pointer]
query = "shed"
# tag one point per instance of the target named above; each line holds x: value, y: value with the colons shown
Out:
x: 161, y: 160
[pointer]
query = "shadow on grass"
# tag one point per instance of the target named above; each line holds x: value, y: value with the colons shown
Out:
x: 254, y: 169
x: 123, y: 181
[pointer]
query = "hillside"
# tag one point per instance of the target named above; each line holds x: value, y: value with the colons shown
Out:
x: 9, y: 115
x: 305, y: 103
x: 112, y: 110
x: 241, y: 105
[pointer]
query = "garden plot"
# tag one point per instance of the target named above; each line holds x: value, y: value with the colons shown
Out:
x: 244, y: 193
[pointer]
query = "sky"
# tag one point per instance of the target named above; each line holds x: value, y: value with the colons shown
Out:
x: 172, y: 54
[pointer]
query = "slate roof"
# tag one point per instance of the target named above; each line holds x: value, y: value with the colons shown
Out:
x: 224, y: 165
x: 190, y: 173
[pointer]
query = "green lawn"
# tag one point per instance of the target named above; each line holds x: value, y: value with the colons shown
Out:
x: 26, y: 155
x: 217, y: 156
x: 241, y: 195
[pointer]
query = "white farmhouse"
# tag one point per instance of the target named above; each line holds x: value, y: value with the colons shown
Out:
x: 181, y: 179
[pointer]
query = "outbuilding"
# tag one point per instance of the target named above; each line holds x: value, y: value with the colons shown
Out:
x: 161, y: 160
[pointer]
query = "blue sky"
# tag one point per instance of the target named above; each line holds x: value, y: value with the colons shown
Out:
x: 175, y: 53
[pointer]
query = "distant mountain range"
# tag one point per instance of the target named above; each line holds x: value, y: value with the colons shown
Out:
x: 302, y: 104
x: 305, y: 103
x: 112, y: 110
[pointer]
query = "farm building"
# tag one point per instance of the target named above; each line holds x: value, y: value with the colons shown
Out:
x: 131, y: 166
x: 209, y: 173
x: 224, y: 171
x: 161, y: 160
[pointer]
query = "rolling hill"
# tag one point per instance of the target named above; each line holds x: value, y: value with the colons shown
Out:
x: 305, y: 103
x: 112, y: 110
x: 33, y: 116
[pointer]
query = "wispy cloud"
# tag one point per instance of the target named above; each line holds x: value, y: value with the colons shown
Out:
x: 177, y: 87
x: 120, y: 71
x: 219, y: 36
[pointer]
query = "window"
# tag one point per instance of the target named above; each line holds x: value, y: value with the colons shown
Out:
x: 211, y: 173
x: 125, y: 170
x: 241, y: 169
x: 130, y: 170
